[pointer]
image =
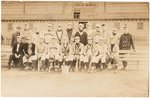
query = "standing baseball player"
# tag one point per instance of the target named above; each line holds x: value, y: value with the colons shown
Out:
x: 69, y: 31
x: 82, y: 34
x: 27, y: 33
x: 125, y: 43
x: 60, y: 34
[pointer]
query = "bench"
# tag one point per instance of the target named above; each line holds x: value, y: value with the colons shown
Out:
x: 137, y: 56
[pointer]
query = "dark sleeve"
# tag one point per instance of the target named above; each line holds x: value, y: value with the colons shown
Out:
x: 25, y: 48
x: 13, y: 48
x: 76, y: 34
x: 33, y: 49
x: 86, y: 38
x: 132, y: 42
x: 12, y: 40
x: 120, y: 42
x: 22, y: 47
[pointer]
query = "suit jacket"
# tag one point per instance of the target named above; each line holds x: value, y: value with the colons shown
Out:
x: 14, y: 38
x: 20, y: 49
x: 26, y: 47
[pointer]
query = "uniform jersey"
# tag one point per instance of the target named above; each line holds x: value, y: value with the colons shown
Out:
x: 26, y: 34
x: 66, y: 49
x: 114, y: 38
x: 88, y: 50
x: 102, y: 48
x: 60, y: 36
x: 115, y: 50
x: 78, y: 48
x: 35, y: 39
x: 48, y: 36
x: 41, y: 48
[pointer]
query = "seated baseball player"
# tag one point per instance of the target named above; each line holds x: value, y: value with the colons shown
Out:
x: 114, y: 56
x: 78, y: 49
x: 95, y: 56
x: 88, y: 53
x: 29, y: 53
x: 41, y: 51
x: 67, y: 53
x: 57, y: 55
x: 102, y: 53
x: 17, y: 54
x: 54, y: 55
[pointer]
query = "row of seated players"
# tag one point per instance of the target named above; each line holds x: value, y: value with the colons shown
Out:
x: 51, y: 56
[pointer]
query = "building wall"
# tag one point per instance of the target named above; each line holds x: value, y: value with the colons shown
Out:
x: 64, y: 10
x: 39, y: 14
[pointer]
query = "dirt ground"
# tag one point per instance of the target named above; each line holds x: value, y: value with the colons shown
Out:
x: 122, y: 84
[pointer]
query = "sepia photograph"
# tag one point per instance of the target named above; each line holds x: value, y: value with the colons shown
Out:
x: 74, y: 49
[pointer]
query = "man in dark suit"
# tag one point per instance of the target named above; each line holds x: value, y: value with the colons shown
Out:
x: 17, y: 53
x: 14, y: 36
x: 126, y: 42
x: 82, y: 34
x: 29, y: 57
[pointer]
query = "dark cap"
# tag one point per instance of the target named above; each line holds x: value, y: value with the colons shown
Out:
x: 103, y: 24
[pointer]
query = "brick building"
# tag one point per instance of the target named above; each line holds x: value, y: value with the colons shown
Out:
x: 113, y: 14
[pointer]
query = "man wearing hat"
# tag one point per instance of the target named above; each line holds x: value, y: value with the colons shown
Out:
x: 17, y: 54
x: 69, y: 31
x: 29, y: 53
x: 114, y: 38
x: 60, y: 34
x: 106, y: 36
x: 36, y: 36
x: 49, y: 33
x: 125, y: 43
x: 97, y: 32
x: 14, y: 36
x: 82, y: 34
x: 26, y: 33
x: 89, y: 29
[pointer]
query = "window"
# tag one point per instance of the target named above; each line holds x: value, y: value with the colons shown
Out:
x: 140, y: 25
x: 117, y: 25
x: 76, y: 15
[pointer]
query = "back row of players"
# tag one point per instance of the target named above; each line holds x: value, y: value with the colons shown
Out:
x: 84, y: 50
